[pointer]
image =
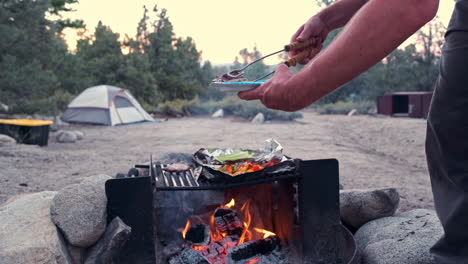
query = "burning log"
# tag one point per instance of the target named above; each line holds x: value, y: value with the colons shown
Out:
x: 216, y: 251
x: 189, y: 256
x: 252, y: 249
x: 198, y: 235
x: 227, y: 222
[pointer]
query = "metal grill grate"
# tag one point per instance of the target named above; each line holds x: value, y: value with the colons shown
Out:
x: 173, y: 180
x: 188, y: 180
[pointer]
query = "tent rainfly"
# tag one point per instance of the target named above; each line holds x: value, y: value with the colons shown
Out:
x: 105, y: 105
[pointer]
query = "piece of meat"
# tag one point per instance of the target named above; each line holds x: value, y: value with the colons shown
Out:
x: 227, y: 78
x: 177, y: 167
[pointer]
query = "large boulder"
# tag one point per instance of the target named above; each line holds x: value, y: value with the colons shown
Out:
x: 404, y: 238
x: 359, y: 206
x: 66, y: 137
x: 107, y: 248
x: 27, y: 235
x: 6, y: 140
x: 79, y: 211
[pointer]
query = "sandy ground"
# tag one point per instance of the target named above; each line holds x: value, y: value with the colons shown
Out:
x: 372, y: 151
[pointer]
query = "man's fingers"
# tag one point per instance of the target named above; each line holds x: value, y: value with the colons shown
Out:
x: 305, y: 34
x: 250, y: 94
x: 305, y: 61
x: 281, y: 69
x: 313, y: 54
x: 293, y: 38
x: 254, y: 94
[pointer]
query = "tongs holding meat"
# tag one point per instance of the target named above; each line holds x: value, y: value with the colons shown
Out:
x: 304, y: 48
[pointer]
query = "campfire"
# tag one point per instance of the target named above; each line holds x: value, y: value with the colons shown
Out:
x: 284, y: 211
x: 227, y: 237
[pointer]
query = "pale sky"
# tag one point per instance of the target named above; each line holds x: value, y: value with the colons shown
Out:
x: 220, y: 28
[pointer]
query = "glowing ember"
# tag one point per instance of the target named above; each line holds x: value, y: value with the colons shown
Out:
x: 230, y: 204
x: 266, y: 233
x: 228, y: 220
x: 187, y: 226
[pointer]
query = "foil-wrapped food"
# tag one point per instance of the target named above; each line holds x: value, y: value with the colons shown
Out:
x: 235, y: 162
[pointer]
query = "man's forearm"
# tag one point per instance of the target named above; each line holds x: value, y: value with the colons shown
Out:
x: 378, y: 28
x: 338, y: 14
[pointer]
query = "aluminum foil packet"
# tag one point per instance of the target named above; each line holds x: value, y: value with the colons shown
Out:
x: 237, y: 161
x: 217, y: 157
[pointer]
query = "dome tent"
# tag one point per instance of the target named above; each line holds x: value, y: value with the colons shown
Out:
x: 105, y: 105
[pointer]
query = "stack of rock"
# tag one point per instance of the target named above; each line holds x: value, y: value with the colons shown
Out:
x: 383, y: 237
x: 71, y: 224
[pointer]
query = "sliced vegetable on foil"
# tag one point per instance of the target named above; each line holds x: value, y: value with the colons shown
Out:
x: 236, y: 161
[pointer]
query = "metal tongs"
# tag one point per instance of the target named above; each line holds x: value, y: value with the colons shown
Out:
x: 305, y: 48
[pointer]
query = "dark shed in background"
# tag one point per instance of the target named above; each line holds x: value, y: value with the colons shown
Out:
x: 409, y: 104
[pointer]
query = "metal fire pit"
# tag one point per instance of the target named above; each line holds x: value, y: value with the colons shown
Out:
x: 322, y: 238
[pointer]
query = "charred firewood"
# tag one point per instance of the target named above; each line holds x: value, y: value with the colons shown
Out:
x: 216, y: 251
x: 277, y: 257
x: 252, y: 249
x: 227, y: 221
x: 198, y: 235
x: 188, y: 256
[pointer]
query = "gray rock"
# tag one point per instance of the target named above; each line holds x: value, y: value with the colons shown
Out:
x: 352, y: 112
x: 77, y: 254
x: 59, y: 132
x: 79, y: 211
x: 218, y: 114
x: 27, y: 235
x: 4, y: 107
x: 108, y: 247
x: 404, y: 238
x: 66, y: 137
x: 79, y: 134
x: 6, y: 140
x: 358, y: 207
x: 258, y: 119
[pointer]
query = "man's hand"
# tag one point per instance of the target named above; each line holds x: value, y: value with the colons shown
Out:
x: 356, y: 49
x: 314, y: 27
x: 278, y: 92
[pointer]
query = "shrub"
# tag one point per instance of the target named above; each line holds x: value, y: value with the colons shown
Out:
x: 175, y: 107
x: 62, y: 99
x: 231, y: 105
x: 343, y: 108
x: 40, y: 106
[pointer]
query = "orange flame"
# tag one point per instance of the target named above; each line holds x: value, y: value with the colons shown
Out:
x: 187, y: 226
x: 266, y: 233
x: 230, y: 204
x: 215, y: 235
x: 246, y: 235
x: 248, y: 220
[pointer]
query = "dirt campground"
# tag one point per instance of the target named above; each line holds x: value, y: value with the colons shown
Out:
x: 372, y: 151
